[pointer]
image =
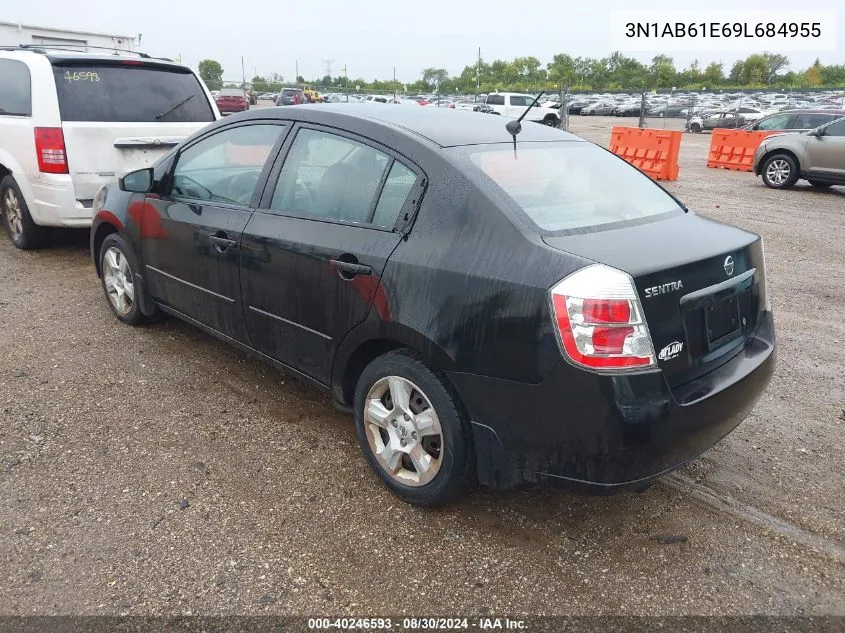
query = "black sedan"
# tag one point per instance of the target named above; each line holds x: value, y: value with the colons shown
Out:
x: 489, y: 306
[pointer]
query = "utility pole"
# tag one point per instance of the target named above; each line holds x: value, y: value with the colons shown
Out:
x: 296, y: 79
x: 394, y: 84
x: 243, y: 77
x: 346, y: 83
x: 478, y: 75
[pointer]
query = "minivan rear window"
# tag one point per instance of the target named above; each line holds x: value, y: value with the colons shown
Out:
x: 118, y: 93
x: 570, y: 186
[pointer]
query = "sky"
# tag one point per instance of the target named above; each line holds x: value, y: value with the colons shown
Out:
x: 371, y: 37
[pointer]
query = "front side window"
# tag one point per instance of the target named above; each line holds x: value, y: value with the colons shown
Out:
x: 330, y: 176
x: 835, y: 129
x: 564, y: 186
x: 15, y: 89
x: 811, y: 120
x: 225, y: 166
x: 130, y: 93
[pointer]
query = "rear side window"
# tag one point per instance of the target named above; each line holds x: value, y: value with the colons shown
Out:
x: 496, y: 100
x: 130, y: 94
x: 329, y: 176
x: 15, y: 89
x: 777, y: 122
x: 569, y: 186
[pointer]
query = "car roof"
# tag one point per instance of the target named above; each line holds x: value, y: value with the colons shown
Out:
x: 443, y: 127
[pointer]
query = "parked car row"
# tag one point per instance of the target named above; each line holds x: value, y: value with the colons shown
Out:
x: 337, y: 243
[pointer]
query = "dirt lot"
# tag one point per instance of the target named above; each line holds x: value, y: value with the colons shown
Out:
x: 156, y: 470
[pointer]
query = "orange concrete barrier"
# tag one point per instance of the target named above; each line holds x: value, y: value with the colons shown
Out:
x: 653, y: 151
x: 734, y: 149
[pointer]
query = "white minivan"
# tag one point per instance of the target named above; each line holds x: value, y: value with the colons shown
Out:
x: 71, y: 122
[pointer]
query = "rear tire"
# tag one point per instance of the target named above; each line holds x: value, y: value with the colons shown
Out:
x: 695, y: 127
x: 23, y: 232
x: 412, y: 429
x: 820, y: 185
x: 779, y: 171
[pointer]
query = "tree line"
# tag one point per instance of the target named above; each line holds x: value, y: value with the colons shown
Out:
x: 614, y: 72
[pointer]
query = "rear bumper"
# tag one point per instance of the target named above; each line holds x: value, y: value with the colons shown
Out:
x: 52, y: 201
x: 609, y: 432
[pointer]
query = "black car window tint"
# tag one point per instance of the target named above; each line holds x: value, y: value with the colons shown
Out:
x: 496, y: 100
x: 329, y: 176
x: 225, y: 166
x: 835, y: 129
x: 398, y: 185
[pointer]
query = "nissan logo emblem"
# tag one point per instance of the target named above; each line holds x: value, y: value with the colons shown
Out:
x: 729, y: 265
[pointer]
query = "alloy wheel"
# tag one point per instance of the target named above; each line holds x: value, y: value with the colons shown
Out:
x: 403, y: 431
x: 13, y: 212
x: 778, y: 171
x: 118, y: 280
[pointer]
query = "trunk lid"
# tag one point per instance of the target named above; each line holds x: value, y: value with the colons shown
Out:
x: 701, y: 285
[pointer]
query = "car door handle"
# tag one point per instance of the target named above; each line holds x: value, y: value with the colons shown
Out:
x: 222, y: 242
x: 350, y: 269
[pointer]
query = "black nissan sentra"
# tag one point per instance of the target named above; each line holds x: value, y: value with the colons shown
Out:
x: 492, y: 306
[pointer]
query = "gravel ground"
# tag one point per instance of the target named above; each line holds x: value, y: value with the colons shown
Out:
x: 155, y: 470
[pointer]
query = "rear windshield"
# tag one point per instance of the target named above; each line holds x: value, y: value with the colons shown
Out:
x: 569, y: 186
x: 231, y: 92
x: 130, y: 94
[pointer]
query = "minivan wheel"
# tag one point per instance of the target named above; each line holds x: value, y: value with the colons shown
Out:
x: 411, y: 429
x: 780, y: 171
x: 117, y: 275
x: 24, y: 233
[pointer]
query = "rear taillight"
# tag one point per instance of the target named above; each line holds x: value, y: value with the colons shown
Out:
x: 50, y: 149
x: 599, y: 319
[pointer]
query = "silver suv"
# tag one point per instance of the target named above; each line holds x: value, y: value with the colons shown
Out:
x: 817, y: 156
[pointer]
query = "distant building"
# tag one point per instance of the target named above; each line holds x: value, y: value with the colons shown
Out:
x: 16, y: 34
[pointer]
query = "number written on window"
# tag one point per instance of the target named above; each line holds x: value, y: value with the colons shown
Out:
x: 81, y: 76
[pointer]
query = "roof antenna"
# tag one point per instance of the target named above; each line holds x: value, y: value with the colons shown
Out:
x: 515, y: 127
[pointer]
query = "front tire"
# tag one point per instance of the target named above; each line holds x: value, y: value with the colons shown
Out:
x: 117, y: 275
x: 779, y: 171
x: 551, y: 121
x: 22, y: 230
x: 695, y: 127
x: 820, y: 185
x: 412, y: 429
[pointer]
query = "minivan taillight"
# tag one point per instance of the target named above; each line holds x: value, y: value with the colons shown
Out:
x: 50, y: 149
x: 599, y: 319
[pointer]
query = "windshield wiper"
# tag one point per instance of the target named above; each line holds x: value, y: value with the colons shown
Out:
x: 161, y: 115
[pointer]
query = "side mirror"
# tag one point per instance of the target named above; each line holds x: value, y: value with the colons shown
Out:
x: 817, y: 133
x: 140, y: 181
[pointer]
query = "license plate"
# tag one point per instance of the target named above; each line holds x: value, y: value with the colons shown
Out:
x: 722, y: 320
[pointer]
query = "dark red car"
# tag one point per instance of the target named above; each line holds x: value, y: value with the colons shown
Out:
x: 231, y: 100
